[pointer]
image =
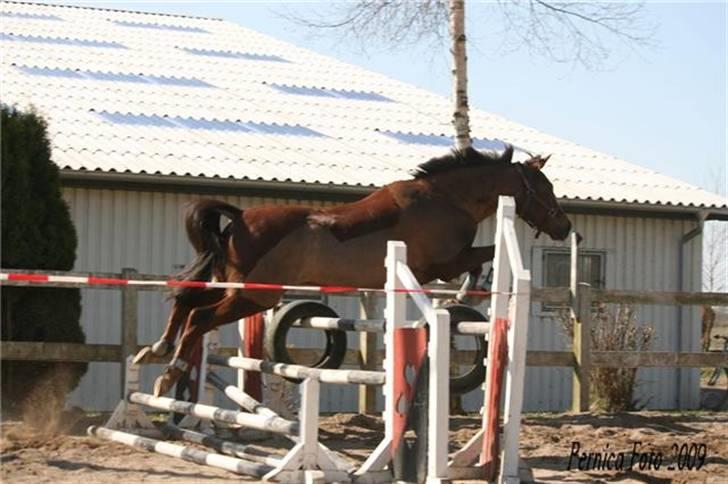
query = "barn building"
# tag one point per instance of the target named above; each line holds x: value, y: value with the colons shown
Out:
x: 148, y: 111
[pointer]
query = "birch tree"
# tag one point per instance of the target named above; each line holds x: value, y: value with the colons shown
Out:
x: 577, y: 32
x: 460, y: 116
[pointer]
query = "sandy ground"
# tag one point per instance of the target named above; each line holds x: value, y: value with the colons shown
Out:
x: 547, y: 442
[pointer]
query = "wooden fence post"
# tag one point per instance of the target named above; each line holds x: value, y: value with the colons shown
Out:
x: 581, y: 301
x: 367, y: 353
x: 129, y: 321
x: 582, y: 348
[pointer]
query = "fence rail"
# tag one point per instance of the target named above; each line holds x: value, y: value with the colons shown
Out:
x: 80, y: 352
x: 581, y: 358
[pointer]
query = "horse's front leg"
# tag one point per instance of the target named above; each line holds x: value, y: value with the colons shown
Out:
x: 231, y: 307
x: 469, y: 260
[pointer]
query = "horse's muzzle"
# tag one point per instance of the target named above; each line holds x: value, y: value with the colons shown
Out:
x: 561, y: 231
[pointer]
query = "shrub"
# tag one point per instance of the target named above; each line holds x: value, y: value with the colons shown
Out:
x: 37, y: 233
x: 613, y: 329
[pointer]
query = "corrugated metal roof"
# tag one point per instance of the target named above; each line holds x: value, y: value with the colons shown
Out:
x: 135, y: 92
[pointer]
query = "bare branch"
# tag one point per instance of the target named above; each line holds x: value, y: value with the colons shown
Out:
x: 562, y: 31
x: 574, y: 31
x: 383, y: 22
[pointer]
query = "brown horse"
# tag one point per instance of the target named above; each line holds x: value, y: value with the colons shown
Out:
x: 436, y: 214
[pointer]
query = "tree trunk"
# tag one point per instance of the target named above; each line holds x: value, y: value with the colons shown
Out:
x: 461, y: 119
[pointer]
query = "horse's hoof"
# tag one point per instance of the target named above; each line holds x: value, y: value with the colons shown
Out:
x: 164, y: 383
x: 142, y: 355
x: 162, y: 348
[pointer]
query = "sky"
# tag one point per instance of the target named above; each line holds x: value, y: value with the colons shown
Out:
x: 663, y: 107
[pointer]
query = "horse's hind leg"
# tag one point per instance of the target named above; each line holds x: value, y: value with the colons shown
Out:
x: 178, y: 315
x: 230, y: 308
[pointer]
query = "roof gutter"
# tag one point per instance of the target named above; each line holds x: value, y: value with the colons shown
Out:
x: 621, y: 208
x: 215, y: 185
x: 320, y: 191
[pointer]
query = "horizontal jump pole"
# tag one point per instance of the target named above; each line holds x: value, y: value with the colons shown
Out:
x: 379, y: 325
x: 360, y: 377
x: 241, y: 451
x: 198, y: 456
x: 239, y: 397
x: 20, y: 278
x: 260, y: 422
x: 343, y: 324
x: 472, y: 327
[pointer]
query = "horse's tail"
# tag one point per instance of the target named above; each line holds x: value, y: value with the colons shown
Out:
x: 202, y: 221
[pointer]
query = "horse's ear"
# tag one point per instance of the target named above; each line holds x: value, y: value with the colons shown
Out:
x: 507, y: 155
x: 537, y: 162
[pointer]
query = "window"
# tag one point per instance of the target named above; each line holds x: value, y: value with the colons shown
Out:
x: 360, y: 95
x: 213, y: 124
x: 61, y: 41
x: 284, y: 129
x: 210, y: 124
x: 488, y: 144
x: 327, y: 92
x: 234, y: 55
x: 177, y: 81
x: 557, y: 270
x: 144, y: 25
x: 420, y: 139
x: 443, y: 140
x: 50, y: 72
x: 114, y: 76
x: 34, y: 16
x: 137, y: 119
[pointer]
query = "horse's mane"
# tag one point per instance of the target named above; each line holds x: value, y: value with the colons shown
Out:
x: 469, y: 157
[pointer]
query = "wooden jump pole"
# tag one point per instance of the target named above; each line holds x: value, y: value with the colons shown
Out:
x: 241, y: 451
x: 297, y: 371
x: 239, y: 397
x: 216, y: 414
x: 191, y: 454
x: 378, y: 325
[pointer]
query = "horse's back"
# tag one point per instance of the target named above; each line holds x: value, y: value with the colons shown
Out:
x: 346, y: 244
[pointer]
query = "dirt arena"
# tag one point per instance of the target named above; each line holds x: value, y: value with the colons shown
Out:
x: 547, y: 442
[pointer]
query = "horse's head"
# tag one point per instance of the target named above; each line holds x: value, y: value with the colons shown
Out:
x: 536, y: 202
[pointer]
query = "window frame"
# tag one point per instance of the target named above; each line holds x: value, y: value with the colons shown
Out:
x: 538, y: 264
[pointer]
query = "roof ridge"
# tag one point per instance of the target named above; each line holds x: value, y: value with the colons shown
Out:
x: 156, y: 14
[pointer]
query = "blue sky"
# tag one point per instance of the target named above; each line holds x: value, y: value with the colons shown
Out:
x: 663, y: 107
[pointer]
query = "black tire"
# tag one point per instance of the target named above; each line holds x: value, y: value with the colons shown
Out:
x: 475, y: 376
x: 276, y: 334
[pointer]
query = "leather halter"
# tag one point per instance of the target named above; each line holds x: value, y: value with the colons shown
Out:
x: 531, y: 195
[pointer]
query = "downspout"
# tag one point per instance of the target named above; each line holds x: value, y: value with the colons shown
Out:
x: 684, y: 240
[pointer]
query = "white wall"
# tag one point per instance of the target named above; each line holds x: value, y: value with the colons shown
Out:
x: 144, y: 230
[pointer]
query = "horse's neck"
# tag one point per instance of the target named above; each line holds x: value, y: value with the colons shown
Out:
x: 476, y: 190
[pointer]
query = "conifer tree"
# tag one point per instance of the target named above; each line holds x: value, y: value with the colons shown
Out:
x: 37, y: 233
